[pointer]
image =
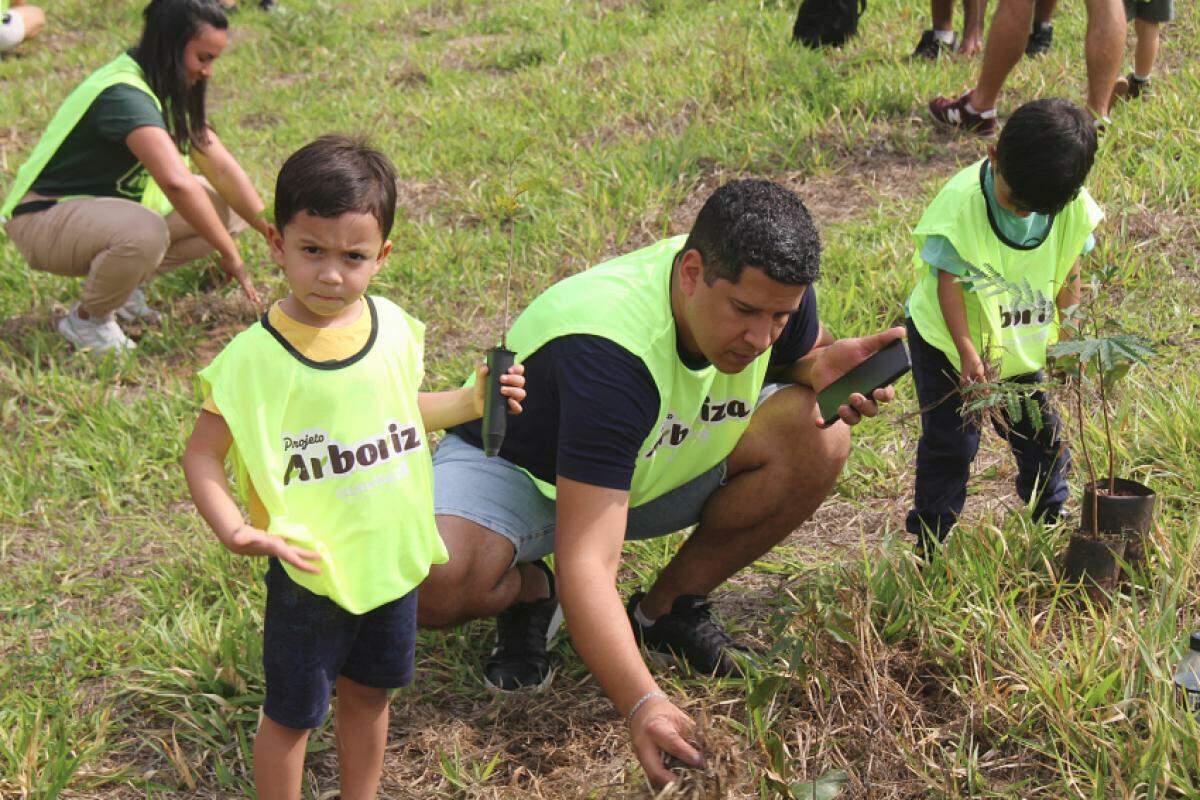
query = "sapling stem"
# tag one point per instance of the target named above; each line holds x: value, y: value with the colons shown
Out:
x: 1112, y: 480
x: 1077, y: 390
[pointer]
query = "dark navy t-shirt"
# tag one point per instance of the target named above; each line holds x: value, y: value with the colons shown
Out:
x: 591, y: 404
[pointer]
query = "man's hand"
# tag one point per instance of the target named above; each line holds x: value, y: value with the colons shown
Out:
x: 512, y: 387
x: 659, y: 727
x: 247, y: 540
x: 844, y: 355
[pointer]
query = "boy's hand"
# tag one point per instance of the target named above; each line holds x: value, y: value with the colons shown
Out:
x: 973, y: 369
x: 512, y: 387
x: 246, y: 540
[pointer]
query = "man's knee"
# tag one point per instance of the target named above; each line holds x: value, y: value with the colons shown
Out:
x: 802, y: 446
x: 470, y: 584
x: 443, y: 597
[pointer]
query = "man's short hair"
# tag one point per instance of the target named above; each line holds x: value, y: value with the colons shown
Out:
x: 756, y: 223
x: 1045, y: 152
x: 336, y: 175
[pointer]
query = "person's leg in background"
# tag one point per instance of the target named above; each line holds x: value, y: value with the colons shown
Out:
x: 1105, y: 49
x: 939, y: 39
x: 19, y: 23
x: 112, y: 243
x: 976, y: 110
x: 1147, y: 23
x: 1042, y: 35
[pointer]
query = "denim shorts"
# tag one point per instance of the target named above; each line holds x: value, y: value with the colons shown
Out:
x: 496, y: 494
x: 308, y: 640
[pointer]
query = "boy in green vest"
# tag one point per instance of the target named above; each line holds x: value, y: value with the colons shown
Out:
x: 1021, y: 213
x: 318, y: 406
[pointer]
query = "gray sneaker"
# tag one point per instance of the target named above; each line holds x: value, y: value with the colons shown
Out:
x: 136, y: 309
x: 96, y: 335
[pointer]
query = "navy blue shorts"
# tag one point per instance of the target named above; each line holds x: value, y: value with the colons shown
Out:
x: 308, y: 640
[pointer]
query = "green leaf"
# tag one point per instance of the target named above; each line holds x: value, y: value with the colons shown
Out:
x: 826, y: 787
x: 765, y: 691
x: 1112, y: 376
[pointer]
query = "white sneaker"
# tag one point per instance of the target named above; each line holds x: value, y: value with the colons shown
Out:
x: 136, y: 309
x: 98, y: 335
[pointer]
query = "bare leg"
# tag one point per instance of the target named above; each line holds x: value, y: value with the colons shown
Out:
x: 781, y: 471
x: 278, y: 760
x: 1105, y: 48
x: 479, y: 579
x: 1005, y: 46
x: 1043, y: 11
x: 360, y: 720
x: 1147, y: 47
x: 33, y: 17
x: 942, y: 12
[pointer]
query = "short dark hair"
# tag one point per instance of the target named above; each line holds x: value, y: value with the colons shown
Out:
x: 1045, y: 152
x: 336, y: 175
x: 756, y: 223
x: 170, y: 25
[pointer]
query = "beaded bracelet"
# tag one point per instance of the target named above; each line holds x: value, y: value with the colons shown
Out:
x: 641, y: 702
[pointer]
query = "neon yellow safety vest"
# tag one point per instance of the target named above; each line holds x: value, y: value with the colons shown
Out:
x: 702, y: 413
x: 122, y: 69
x: 1014, y: 327
x: 337, y: 453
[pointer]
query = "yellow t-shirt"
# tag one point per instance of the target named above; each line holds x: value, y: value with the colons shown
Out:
x: 315, y: 344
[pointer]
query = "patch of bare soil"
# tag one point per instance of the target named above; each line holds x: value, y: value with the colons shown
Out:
x: 220, y: 316
x: 465, y: 52
x: 638, y: 126
x: 1174, y: 236
x: 855, y: 186
x: 419, y: 200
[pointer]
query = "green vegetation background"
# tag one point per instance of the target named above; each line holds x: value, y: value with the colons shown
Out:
x: 129, y: 642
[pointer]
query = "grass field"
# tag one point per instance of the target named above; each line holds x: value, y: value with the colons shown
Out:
x: 130, y: 641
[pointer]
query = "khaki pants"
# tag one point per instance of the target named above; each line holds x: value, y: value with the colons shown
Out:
x: 116, y: 244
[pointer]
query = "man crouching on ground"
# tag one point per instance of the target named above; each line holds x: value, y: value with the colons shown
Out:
x: 671, y: 386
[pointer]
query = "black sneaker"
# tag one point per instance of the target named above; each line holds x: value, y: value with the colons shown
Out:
x: 523, y: 631
x: 931, y: 46
x: 1039, y: 39
x: 1130, y: 87
x: 688, y: 632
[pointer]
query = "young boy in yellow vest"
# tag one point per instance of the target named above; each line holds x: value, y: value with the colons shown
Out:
x: 318, y: 405
x: 1022, y: 213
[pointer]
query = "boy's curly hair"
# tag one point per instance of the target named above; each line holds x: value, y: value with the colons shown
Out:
x: 1045, y: 152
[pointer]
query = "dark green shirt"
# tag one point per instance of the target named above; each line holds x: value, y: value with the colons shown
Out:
x: 93, y: 159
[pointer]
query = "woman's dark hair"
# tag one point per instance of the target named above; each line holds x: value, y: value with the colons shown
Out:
x: 170, y: 25
x: 336, y: 175
x: 756, y: 223
x: 1045, y: 152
